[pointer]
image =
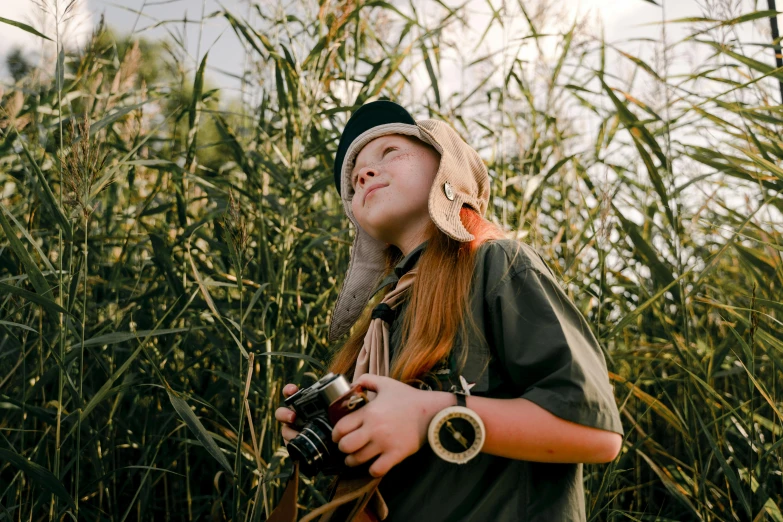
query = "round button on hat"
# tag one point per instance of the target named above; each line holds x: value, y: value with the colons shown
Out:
x: 462, y: 179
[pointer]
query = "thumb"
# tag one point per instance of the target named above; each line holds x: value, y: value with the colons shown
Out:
x: 371, y: 382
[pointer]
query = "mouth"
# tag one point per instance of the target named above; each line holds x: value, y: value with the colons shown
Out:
x: 373, y: 189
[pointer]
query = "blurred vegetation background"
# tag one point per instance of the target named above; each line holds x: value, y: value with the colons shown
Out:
x: 169, y: 260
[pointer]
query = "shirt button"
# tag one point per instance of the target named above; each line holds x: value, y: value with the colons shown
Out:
x: 449, y: 191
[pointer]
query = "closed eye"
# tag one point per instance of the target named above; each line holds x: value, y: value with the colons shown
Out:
x: 353, y: 181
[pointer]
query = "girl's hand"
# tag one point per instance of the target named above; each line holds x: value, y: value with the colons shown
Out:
x: 392, y: 426
x: 287, y: 415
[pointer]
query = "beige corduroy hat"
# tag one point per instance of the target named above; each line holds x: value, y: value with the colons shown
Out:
x: 462, y: 179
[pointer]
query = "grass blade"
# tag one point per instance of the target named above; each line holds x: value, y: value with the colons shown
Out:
x: 38, y: 474
x: 673, y: 487
x: 24, y: 27
x: 187, y: 415
x: 31, y: 268
x: 47, y: 303
x: 728, y: 469
x: 46, y: 193
x: 17, y: 325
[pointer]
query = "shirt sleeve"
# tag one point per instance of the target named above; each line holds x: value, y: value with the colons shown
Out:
x: 546, y: 348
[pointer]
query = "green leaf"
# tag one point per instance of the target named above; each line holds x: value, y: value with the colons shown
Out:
x: 149, y: 162
x: 38, y: 474
x: 567, y: 39
x: 114, y: 116
x: 211, y: 303
x: 242, y: 30
x: 198, y: 87
x: 714, y: 259
x: 24, y: 27
x: 431, y: 72
x: 728, y: 469
x: 748, y: 17
x: 121, y: 337
x: 655, y: 405
x: 162, y: 257
x: 29, y: 238
x: 47, y: 196
x: 59, y: 69
x: 31, y: 268
x: 35, y: 298
x: 639, y: 309
x: 673, y: 487
x: 759, y: 386
x: 772, y: 510
x: 295, y: 355
x: 659, y: 269
x: 761, y: 67
x: 315, y: 53
x: 17, y: 325
x: 649, y: 70
x: 640, y: 134
x: 187, y: 415
x: 107, y: 386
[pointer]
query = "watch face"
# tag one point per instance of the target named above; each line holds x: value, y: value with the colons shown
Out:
x: 456, y: 434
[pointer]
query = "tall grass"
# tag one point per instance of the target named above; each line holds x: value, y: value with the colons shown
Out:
x: 166, y: 266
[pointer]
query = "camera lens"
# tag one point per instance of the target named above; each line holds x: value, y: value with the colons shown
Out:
x: 314, y: 448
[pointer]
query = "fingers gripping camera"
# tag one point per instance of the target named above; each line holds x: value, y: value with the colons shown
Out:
x: 318, y: 408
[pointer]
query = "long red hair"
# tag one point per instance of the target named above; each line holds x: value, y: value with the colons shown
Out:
x: 438, y: 301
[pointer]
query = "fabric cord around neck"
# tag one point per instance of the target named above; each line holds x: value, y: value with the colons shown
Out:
x: 374, y: 355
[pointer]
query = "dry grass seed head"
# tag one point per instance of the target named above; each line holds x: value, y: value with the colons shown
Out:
x: 235, y: 228
x: 83, y: 161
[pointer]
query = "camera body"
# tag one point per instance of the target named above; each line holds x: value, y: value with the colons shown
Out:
x: 318, y: 408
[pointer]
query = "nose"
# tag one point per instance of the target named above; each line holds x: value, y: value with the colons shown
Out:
x: 365, y: 173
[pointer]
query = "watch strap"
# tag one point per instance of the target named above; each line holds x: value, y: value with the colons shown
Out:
x: 461, y: 401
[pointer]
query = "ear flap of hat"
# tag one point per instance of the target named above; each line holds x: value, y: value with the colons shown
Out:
x: 364, y: 270
x: 462, y: 178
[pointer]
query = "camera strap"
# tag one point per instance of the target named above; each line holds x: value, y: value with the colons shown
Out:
x: 355, y: 500
x: 287, y: 509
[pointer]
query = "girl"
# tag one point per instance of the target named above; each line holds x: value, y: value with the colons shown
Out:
x: 461, y: 310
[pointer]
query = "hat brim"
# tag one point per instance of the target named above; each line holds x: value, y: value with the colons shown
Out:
x: 349, y: 161
x: 369, y: 115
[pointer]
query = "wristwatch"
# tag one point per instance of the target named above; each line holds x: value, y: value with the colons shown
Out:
x: 456, y: 434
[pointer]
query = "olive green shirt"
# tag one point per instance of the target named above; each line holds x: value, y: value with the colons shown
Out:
x: 539, y: 347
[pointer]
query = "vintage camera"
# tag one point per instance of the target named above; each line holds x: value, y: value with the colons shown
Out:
x: 318, y: 408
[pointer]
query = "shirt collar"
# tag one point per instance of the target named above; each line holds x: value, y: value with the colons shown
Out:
x: 405, y: 264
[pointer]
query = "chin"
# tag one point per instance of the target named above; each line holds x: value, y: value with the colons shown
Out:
x: 380, y: 231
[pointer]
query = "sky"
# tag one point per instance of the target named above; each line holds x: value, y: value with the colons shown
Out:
x: 625, y: 23
x: 622, y: 20
x: 632, y: 25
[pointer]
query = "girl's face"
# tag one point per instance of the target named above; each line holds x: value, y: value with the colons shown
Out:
x: 391, y: 180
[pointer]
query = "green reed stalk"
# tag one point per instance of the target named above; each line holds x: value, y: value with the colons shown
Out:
x: 241, y: 426
x: 81, y: 353
x: 236, y: 238
x: 60, y: 288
